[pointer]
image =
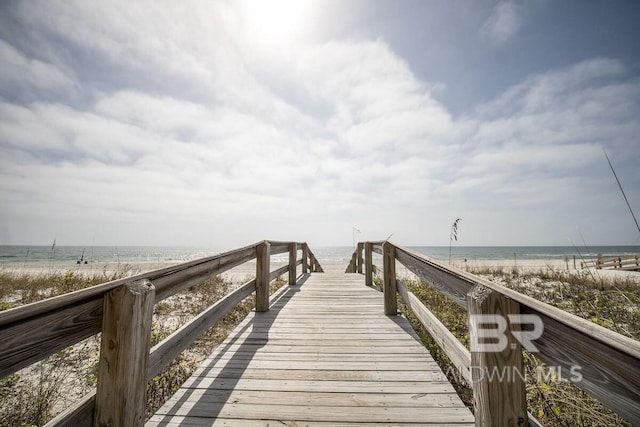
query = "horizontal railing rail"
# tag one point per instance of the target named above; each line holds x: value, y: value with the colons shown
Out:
x: 608, y: 362
x: 623, y: 262
x: 35, y: 331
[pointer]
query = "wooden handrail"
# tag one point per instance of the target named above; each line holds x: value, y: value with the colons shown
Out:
x: 32, y: 332
x: 609, y: 362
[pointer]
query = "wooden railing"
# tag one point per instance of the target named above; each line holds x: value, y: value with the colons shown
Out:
x: 122, y: 311
x: 608, y: 363
x: 623, y: 262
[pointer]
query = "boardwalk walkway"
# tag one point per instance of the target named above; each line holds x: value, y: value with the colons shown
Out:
x: 324, y: 355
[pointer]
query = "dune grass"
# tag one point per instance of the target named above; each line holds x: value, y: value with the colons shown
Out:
x: 612, y: 303
x: 33, y: 395
x: 36, y: 394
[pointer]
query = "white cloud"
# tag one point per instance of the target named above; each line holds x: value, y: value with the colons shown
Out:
x: 345, y: 131
x: 541, y: 92
x: 503, y: 23
x: 20, y: 73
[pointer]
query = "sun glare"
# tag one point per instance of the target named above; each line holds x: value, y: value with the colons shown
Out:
x: 275, y: 20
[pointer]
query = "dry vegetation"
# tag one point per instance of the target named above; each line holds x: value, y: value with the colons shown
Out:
x: 612, y: 303
x: 36, y: 394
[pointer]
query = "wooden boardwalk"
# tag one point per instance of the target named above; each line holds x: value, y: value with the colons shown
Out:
x: 324, y: 355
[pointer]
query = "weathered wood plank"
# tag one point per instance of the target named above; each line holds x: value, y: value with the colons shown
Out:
x: 214, y: 265
x: 350, y: 348
x: 443, y: 279
x: 278, y: 247
x: 430, y: 387
x: 389, y: 261
x: 78, y: 414
x: 326, y: 413
x: 373, y: 344
x: 317, y: 268
x: 124, y: 352
x: 278, y: 272
x: 377, y: 247
x: 239, y: 353
x: 301, y: 352
x: 605, y: 372
x: 293, y: 254
x: 305, y: 258
x: 324, y: 337
x: 427, y: 373
x: 496, y: 402
x: 173, y: 420
x: 458, y: 353
x: 183, y: 277
x: 262, y: 276
x: 311, y: 328
x: 250, y: 397
x: 25, y: 342
x: 35, y: 331
x: 164, y: 352
x: 321, y: 365
x: 368, y: 264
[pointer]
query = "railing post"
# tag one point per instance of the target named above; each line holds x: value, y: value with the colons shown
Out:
x: 360, y: 248
x: 305, y: 258
x: 497, y: 371
x: 389, y: 273
x: 263, y: 256
x: 293, y: 257
x: 368, y: 263
x: 124, y: 355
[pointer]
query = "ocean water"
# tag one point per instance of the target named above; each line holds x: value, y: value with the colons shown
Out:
x: 150, y: 254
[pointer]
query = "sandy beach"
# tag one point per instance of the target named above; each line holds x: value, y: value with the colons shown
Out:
x: 246, y: 271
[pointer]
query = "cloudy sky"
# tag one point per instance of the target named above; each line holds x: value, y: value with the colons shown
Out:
x: 221, y: 123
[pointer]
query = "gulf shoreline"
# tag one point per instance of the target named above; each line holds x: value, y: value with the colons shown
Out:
x: 246, y: 271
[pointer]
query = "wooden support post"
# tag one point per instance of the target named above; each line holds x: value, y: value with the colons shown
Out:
x: 293, y: 257
x: 305, y: 258
x: 390, y: 286
x: 359, y: 251
x: 124, y: 355
x: 497, y: 370
x: 368, y: 264
x: 263, y: 256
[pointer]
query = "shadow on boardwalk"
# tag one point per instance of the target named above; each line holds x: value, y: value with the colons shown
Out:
x: 234, y: 357
x: 324, y: 355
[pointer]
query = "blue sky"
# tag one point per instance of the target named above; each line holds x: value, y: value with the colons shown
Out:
x: 218, y: 123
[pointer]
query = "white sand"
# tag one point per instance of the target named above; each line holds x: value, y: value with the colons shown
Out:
x: 247, y: 271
